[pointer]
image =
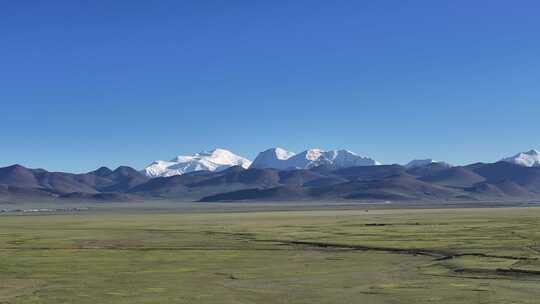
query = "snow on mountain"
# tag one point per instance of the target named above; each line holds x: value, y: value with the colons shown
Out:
x: 527, y: 159
x: 278, y: 158
x: 215, y: 160
x: 346, y: 158
x: 424, y: 162
x: 271, y: 158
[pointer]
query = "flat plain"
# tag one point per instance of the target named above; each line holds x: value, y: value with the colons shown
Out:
x: 462, y: 255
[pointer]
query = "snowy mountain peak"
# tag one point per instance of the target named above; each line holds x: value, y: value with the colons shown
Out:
x: 214, y: 160
x: 215, y: 154
x: 313, y: 154
x: 281, y: 153
x: 311, y: 158
x: 271, y: 158
x: 530, y: 158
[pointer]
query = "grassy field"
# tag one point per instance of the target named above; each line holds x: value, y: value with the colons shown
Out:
x: 346, y: 256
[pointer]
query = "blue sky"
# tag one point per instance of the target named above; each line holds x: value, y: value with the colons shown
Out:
x: 91, y: 83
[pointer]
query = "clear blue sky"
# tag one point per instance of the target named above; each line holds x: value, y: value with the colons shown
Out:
x: 91, y: 83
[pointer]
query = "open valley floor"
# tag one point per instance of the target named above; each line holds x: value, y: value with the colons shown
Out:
x: 461, y: 255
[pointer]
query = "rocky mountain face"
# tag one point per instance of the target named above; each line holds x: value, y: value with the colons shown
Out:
x: 281, y: 159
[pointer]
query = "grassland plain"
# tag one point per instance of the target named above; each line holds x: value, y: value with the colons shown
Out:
x: 342, y: 256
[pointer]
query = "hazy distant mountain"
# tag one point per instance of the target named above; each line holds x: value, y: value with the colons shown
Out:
x: 502, y: 189
x: 429, y: 169
x: 101, y: 197
x: 400, y: 188
x: 121, y: 179
x: 424, y: 162
x: 18, y: 176
x: 18, y: 181
x: 195, y: 185
x: 432, y: 182
x: 527, y: 177
x: 396, y: 187
x: 369, y: 172
x: 454, y: 177
x: 278, y: 158
x: 215, y: 160
x: 12, y: 193
x: 530, y: 158
x: 282, y: 193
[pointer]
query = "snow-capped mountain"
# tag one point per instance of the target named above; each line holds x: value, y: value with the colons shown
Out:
x: 424, y: 162
x: 527, y: 159
x: 215, y: 160
x: 278, y: 158
x: 271, y: 158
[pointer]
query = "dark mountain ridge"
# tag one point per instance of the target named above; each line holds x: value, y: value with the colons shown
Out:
x: 433, y: 182
x: 19, y: 182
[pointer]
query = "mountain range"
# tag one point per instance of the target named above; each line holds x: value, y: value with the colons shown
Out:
x: 277, y: 174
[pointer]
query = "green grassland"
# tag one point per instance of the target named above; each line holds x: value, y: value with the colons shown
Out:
x: 341, y: 256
